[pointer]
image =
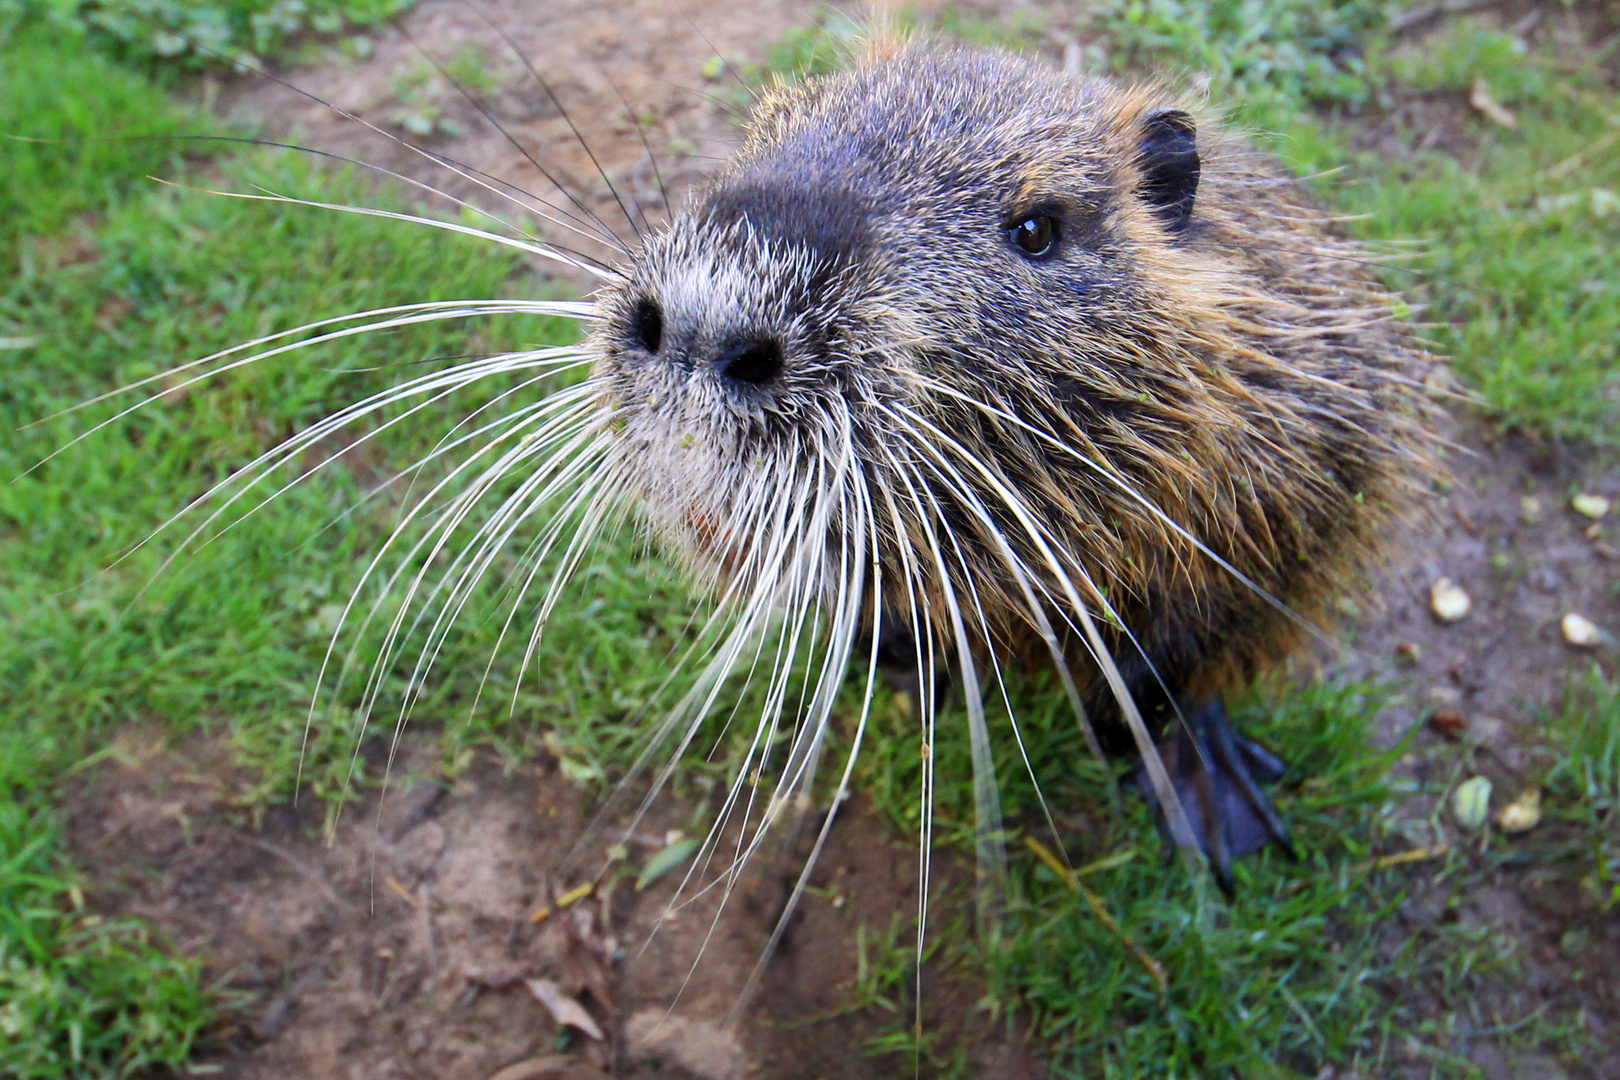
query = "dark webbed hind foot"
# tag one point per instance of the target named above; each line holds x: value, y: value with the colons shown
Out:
x: 1217, y: 774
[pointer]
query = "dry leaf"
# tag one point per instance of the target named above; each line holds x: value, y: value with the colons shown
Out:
x: 498, y: 976
x: 563, y: 1009
x: 1450, y: 724
x: 536, y: 1067
x: 1479, y: 96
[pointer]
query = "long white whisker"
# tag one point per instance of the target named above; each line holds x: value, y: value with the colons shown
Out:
x: 244, y: 480
x: 1175, y: 814
x: 989, y: 850
x: 466, y: 172
x: 565, y: 465
x: 921, y: 623
x: 1022, y: 574
x: 263, y: 467
x: 1145, y: 503
x: 532, y: 248
x: 571, y: 309
x: 458, y: 310
x: 862, y: 535
x: 570, y: 404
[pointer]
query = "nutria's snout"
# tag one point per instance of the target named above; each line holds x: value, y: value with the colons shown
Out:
x: 741, y: 358
x: 735, y: 352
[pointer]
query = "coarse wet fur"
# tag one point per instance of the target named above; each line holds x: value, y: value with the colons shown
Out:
x: 1057, y: 370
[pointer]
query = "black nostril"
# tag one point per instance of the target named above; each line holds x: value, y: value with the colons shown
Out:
x: 648, y: 325
x: 757, y: 362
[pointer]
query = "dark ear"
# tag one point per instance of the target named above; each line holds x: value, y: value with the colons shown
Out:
x: 1169, y: 164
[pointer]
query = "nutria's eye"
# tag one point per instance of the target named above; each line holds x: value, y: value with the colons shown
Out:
x: 647, y: 326
x: 1036, y: 235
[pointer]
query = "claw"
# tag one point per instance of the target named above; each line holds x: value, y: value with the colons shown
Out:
x: 1217, y: 775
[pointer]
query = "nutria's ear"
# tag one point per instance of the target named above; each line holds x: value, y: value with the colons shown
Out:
x: 1169, y: 164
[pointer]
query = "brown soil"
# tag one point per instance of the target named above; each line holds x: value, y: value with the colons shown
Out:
x: 1502, y: 672
x: 401, y: 948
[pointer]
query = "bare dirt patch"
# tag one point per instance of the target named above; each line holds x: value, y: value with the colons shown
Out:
x: 404, y: 947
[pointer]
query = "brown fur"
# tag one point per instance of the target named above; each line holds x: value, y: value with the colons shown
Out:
x: 1244, y: 377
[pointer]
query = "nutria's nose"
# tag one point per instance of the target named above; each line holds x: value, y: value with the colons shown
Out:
x: 739, y: 357
x: 756, y: 361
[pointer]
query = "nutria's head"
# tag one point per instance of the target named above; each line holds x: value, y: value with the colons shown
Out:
x: 998, y: 326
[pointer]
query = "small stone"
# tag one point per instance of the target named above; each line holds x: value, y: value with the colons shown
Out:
x: 1408, y: 653
x: 1448, y: 602
x: 1592, y: 506
x: 1522, y: 813
x: 1580, y: 631
x: 1530, y: 510
x: 1471, y: 802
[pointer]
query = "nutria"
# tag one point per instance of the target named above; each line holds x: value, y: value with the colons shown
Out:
x: 967, y: 359
x: 1051, y: 369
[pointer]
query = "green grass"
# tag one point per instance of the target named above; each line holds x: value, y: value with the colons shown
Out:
x: 1239, y: 977
x: 80, y: 995
x: 1519, y: 242
x: 1268, y: 58
x: 1586, y: 778
x: 134, y: 278
x: 92, y: 115
x: 1298, y: 973
x: 197, y: 33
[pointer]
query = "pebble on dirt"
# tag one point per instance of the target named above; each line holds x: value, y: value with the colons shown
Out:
x: 1592, y: 506
x: 1448, y: 602
x: 1521, y: 814
x: 1580, y: 631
